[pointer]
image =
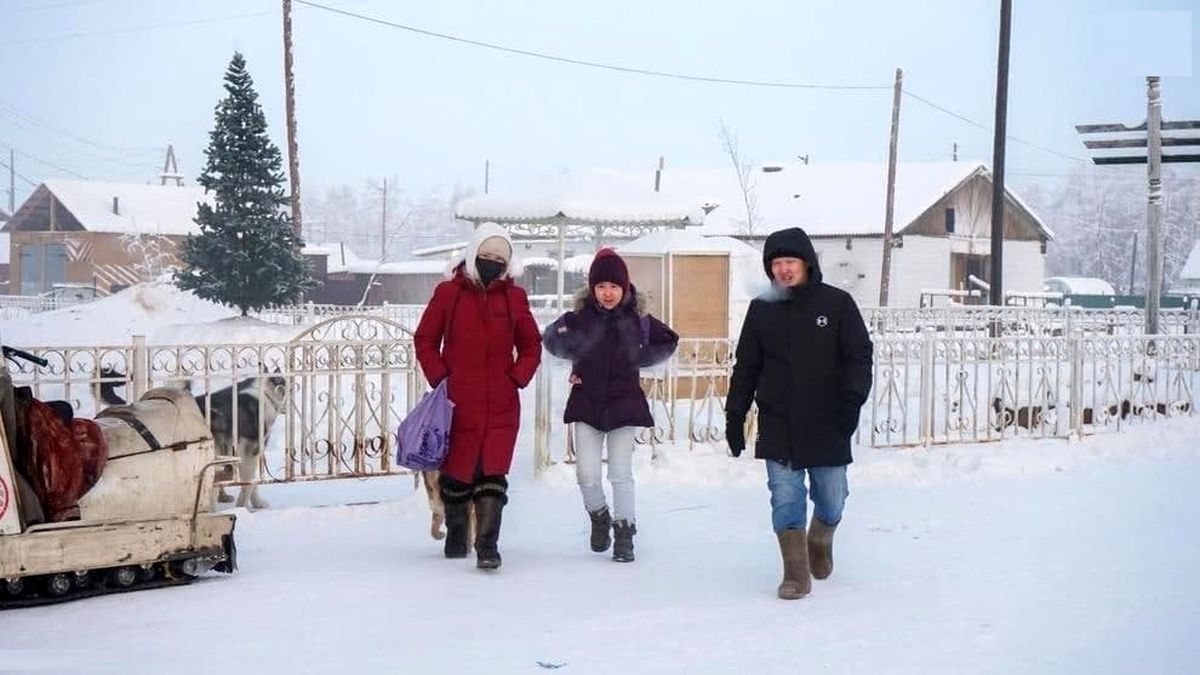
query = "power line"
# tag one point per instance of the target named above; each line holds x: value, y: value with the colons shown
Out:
x: 48, y: 163
x: 591, y: 64
x: 136, y: 29
x: 6, y: 108
x: 133, y: 29
x: 19, y: 175
x: 985, y: 127
x: 669, y: 74
x: 53, y: 5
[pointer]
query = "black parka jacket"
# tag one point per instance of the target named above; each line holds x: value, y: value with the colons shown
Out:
x: 804, y: 356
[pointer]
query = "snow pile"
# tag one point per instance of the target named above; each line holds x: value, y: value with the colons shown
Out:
x: 711, y: 466
x: 229, y: 330
x: 143, y: 309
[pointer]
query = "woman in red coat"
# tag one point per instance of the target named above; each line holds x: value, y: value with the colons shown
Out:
x: 469, y: 332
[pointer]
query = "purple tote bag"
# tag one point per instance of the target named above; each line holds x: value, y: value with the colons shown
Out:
x: 423, y: 438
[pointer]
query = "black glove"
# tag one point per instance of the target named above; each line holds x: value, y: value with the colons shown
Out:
x: 847, y: 416
x: 735, y: 434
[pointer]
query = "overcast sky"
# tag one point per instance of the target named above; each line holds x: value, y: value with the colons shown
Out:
x: 98, y: 88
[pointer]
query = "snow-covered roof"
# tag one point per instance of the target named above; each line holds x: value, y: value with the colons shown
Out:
x: 540, y: 261
x: 826, y: 199
x: 1085, y: 285
x: 343, y: 260
x: 591, y: 196
x: 578, y: 264
x: 690, y: 240
x: 1191, y: 267
x: 413, y: 267
x: 141, y: 209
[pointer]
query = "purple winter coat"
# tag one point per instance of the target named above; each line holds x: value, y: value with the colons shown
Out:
x: 606, y: 351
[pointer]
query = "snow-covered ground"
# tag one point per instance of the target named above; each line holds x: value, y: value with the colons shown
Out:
x: 1023, y: 556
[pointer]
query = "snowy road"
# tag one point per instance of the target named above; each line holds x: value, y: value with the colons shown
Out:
x: 1082, y: 563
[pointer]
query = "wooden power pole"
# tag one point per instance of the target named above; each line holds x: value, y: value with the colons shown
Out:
x: 998, y: 148
x: 290, y: 106
x: 12, y: 181
x: 1154, y: 250
x: 890, y: 206
x: 383, y: 226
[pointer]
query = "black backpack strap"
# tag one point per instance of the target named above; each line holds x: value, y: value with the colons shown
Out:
x: 129, y: 418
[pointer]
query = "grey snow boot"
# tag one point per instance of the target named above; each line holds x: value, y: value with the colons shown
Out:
x: 820, y: 548
x: 623, y: 532
x: 796, y: 582
x: 601, y: 524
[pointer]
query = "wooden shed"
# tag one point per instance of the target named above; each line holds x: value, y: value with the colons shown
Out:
x: 699, y: 285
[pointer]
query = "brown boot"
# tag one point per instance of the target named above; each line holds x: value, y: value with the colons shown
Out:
x: 820, y: 548
x: 796, y: 582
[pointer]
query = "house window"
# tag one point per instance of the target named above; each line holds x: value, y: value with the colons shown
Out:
x: 42, y: 266
x: 950, y: 221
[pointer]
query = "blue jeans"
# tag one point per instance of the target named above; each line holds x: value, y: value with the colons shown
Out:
x: 789, y: 505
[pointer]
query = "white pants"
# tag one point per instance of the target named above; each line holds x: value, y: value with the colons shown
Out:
x: 589, y: 444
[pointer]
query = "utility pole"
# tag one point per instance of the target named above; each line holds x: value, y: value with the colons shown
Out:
x: 487, y: 175
x: 1154, y: 158
x: 1133, y: 262
x: 662, y: 163
x: 1154, y: 252
x: 998, y: 148
x: 383, y: 226
x: 12, y: 181
x: 290, y: 106
x: 890, y: 206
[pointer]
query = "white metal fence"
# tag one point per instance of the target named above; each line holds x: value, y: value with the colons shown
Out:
x: 21, y: 306
x: 347, y: 381
x: 935, y: 387
x: 340, y: 390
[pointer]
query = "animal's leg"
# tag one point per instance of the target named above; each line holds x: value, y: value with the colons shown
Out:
x: 437, y: 508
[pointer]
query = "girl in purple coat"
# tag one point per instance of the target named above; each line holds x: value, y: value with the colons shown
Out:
x: 608, y: 339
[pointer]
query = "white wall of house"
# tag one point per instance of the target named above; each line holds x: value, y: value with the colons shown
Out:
x: 855, y: 270
x: 1024, y: 266
x: 921, y: 263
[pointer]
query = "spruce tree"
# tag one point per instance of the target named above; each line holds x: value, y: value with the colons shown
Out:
x: 247, y: 254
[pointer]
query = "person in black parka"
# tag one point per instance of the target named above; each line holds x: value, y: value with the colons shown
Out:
x: 804, y: 357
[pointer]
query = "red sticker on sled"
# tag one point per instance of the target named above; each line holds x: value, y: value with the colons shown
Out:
x: 3, y: 497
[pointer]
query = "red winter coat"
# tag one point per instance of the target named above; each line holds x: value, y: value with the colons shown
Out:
x: 478, y: 356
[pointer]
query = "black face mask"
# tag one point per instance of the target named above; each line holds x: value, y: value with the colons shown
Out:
x: 489, y: 270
